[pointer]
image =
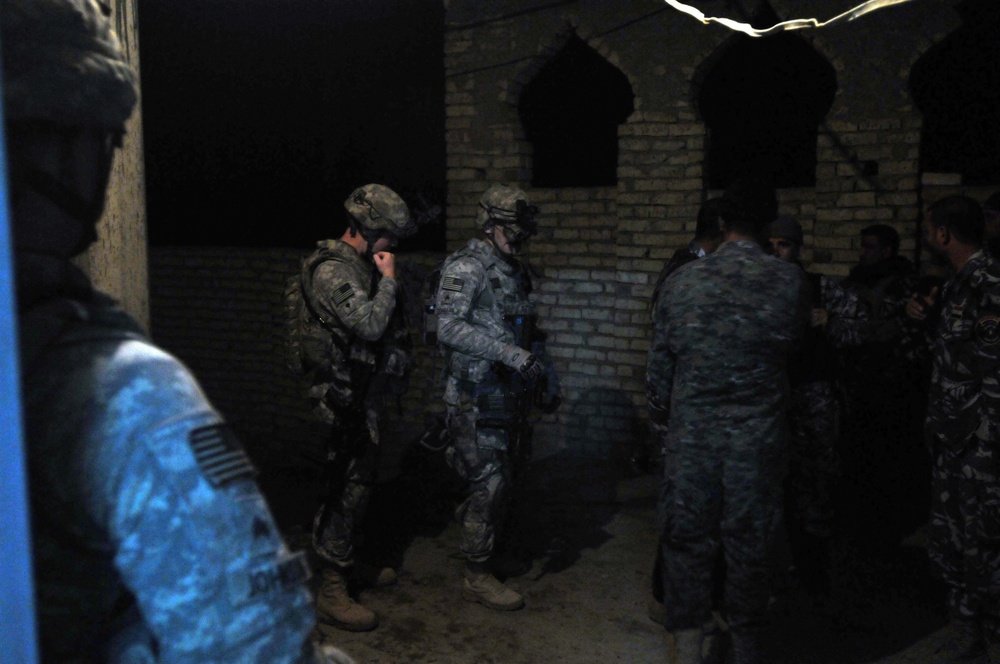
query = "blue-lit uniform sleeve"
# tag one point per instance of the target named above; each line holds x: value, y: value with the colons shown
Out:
x: 195, y: 541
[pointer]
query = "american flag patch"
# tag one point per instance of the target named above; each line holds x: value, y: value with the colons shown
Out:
x: 219, y: 455
x: 343, y: 294
x: 452, y: 283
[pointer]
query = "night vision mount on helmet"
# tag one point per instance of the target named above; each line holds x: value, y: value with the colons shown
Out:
x: 509, y: 207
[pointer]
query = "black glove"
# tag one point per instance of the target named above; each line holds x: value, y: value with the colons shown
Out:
x: 531, y: 368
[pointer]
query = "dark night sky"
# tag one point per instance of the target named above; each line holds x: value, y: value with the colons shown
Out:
x: 261, y: 116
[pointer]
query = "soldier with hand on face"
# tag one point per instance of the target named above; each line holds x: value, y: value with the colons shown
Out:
x: 487, y: 332
x: 151, y: 540
x: 350, y: 291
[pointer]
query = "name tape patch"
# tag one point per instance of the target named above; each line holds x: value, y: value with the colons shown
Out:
x: 268, y: 579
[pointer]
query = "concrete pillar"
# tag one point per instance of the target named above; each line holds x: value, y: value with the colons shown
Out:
x: 117, y: 263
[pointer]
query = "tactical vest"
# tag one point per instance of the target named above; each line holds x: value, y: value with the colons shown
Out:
x: 330, y: 353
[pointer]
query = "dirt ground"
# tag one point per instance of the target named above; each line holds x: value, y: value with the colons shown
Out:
x: 587, y: 526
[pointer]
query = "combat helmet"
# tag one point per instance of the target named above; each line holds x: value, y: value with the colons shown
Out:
x: 509, y: 207
x: 379, y: 210
x: 63, y: 64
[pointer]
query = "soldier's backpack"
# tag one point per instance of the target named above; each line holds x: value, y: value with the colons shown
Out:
x: 307, y: 341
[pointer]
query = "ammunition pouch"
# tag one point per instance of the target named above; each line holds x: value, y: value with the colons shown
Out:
x: 496, y: 400
x: 468, y: 368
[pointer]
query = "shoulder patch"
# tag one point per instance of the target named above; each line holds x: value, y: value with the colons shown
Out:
x: 451, y: 283
x: 220, y: 455
x: 343, y: 293
x: 988, y: 330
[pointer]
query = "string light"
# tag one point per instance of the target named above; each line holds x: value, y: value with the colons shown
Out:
x: 794, y: 24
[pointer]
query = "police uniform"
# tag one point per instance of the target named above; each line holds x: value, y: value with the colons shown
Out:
x: 963, y: 432
x: 716, y: 376
x: 151, y: 540
x: 356, y: 305
x: 682, y: 256
x: 477, y: 289
x: 814, y: 405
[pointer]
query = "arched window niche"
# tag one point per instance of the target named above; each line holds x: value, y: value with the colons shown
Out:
x: 763, y: 100
x: 570, y: 112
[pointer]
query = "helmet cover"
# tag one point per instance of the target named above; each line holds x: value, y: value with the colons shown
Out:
x: 377, y: 208
x: 62, y: 63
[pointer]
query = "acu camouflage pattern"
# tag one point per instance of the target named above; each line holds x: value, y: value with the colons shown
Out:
x: 815, y: 407
x: 963, y: 432
x: 477, y: 288
x: 358, y: 308
x: 150, y: 534
x: 722, y: 330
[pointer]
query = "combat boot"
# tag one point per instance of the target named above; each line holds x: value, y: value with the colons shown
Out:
x: 687, y: 646
x: 481, y: 586
x: 964, y: 644
x: 335, y: 608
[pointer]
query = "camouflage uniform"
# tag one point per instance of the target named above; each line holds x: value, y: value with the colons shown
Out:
x: 682, y: 256
x: 357, y: 305
x: 478, y: 287
x: 814, y: 408
x: 722, y: 330
x: 886, y: 470
x: 150, y: 535
x: 963, y: 432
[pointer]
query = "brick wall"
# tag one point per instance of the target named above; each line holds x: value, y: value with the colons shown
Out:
x: 599, y: 249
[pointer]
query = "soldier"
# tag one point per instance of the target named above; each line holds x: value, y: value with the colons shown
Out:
x: 963, y: 427
x: 885, y: 469
x: 487, y: 332
x: 837, y: 320
x: 151, y: 540
x: 349, y: 286
x: 716, y: 379
x: 707, y: 238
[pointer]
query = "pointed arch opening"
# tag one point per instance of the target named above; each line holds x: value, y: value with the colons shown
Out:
x: 763, y: 100
x: 570, y: 112
x: 956, y: 85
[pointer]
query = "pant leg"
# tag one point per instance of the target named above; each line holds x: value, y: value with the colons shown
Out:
x: 340, y: 514
x: 752, y: 486
x: 690, y: 507
x: 479, y: 456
